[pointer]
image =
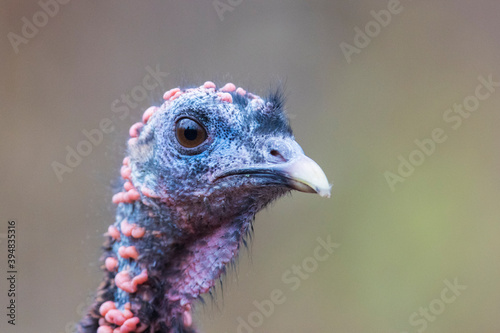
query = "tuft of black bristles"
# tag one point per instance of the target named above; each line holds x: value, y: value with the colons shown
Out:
x: 276, y: 98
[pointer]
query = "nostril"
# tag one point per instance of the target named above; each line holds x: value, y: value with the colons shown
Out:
x: 277, y: 155
x: 279, y: 150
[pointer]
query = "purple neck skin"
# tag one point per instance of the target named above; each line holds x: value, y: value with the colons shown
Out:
x: 155, y: 269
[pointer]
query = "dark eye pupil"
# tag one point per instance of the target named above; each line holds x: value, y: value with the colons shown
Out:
x: 191, y: 133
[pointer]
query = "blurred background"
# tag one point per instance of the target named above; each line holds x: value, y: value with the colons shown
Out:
x: 365, y: 79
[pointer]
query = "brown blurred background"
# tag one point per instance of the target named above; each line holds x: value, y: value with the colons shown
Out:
x: 354, y: 118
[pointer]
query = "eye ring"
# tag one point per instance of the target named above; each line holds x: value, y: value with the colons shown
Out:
x: 190, y: 133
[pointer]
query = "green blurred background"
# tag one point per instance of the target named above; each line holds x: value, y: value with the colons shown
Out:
x: 354, y: 118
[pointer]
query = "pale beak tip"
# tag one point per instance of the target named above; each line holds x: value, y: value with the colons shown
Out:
x: 325, y: 192
x: 306, y: 176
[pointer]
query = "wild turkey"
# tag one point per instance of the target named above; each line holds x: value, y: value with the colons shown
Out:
x: 199, y: 168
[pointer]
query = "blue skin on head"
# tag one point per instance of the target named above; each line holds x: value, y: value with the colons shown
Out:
x: 197, y: 201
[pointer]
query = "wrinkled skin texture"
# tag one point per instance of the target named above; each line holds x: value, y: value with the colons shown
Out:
x: 190, y: 205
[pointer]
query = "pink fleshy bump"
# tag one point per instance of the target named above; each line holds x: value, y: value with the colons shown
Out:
x: 148, y: 113
x: 241, y: 91
x: 138, y: 232
x: 258, y: 104
x: 121, y: 252
x: 126, y: 161
x: 129, y: 325
x: 122, y: 281
x: 174, y: 297
x: 252, y: 96
x: 170, y: 93
x: 128, y: 186
x: 187, y: 317
x: 177, y: 94
x: 127, y: 313
x: 229, y: 87
x: 208, y: 85
x: 111, y: 264
x: 113, y: 232
x: 134, y: 129
x: 118, y: 198
x: 225, y: 97
x: 115, y: 316
x: 127, y: 228
x: 141, y: 278
x: 132, y: 141
x: 125, y: 172
x: 149, y: 193
x: 126, y: 197
x: 128, y: 252
x: 133, y: 194
x: 104, y: 329
x: 106, y: 306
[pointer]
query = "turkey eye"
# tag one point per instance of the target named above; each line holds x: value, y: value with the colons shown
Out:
x: 189, y: 133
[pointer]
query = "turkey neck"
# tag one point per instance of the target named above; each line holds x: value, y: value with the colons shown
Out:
x: 155, y: 265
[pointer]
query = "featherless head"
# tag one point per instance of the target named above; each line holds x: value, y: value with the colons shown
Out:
x: 199, y: 167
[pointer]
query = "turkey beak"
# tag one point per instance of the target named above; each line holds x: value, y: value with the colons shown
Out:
x: 287, y: 166
x: 305, y: 175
